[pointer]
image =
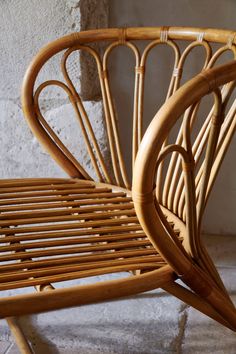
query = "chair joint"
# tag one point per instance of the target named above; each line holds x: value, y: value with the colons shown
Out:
x: 164, y: 34
x: 122, y: 35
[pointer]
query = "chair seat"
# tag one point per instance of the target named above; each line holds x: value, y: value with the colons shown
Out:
x: 54, y: 230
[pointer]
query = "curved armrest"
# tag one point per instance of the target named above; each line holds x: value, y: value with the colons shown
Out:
x: 146, y: 205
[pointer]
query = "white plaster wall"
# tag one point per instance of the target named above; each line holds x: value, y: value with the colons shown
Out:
x: 220, y: 217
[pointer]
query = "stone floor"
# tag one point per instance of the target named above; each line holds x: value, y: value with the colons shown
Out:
x: 150, y: 323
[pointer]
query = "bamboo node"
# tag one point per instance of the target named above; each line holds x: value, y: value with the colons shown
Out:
x: 217, y: 120
x: 76, y: 37
x: 231, y: 40
x: 74, y: 98
x: 103, y: 74
x: 143, y: 198
x: 164, y: 34
x: 200, y: 36
x: 188, y: 166
x: 122, y: 35
x: 140, y: 69
x: 177, y: 72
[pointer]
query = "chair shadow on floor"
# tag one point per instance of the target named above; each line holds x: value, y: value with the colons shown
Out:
x: 39, y: 343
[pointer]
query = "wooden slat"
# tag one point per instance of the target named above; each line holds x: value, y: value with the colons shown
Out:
x: 45, y: 187
x: 75, y: 275
x: 70, y: 241
x: 59, y: 198
x: 64, y: 204
x: 35, y: 273
x: 75, y: 190
x: 65, y: 211
x: 37, y: 182
x: 66, y: 226
x: 72, y: 250
x: 62, y: 218
x: 95, y: 257
x: 81, y: 232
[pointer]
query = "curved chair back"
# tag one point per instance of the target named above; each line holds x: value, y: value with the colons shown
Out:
x: 140, y: 42
x: 190, y: 259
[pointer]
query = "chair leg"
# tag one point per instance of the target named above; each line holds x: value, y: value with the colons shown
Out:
x: 20, y: 338
x: 195, y: 301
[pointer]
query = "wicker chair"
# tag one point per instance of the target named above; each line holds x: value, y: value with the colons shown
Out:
x: 55, y: 230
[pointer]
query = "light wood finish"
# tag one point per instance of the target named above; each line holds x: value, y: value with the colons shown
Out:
x: 58, y: 230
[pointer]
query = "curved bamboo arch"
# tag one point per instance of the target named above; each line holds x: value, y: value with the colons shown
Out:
x: 144, y: 179
x: 115, y: 37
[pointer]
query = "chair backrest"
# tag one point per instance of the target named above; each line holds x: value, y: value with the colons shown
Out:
x: 191, y: 174
x: 140, y: 42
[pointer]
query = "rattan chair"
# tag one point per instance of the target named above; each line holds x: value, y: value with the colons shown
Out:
x: 54, y: 229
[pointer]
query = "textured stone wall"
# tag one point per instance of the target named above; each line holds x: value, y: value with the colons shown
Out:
x: 26, y: 26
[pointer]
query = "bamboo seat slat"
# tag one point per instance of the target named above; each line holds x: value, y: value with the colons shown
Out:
x: 21, y: 275
x: 67, y: 226
x: 58, y: 198
x: 65, y: 211
x: 61, y: 218
x: 76, y: 238
x: 70, y: 250
x: 81, y: 232
x: 81, y: 259
x: 70, y: 191
x: 70, y: 241
x: 76, y: 275
x: 50, y: 205
x: 6, y: 183
x: 45, y: 187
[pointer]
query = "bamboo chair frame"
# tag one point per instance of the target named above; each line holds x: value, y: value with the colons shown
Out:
x: 55, y: 230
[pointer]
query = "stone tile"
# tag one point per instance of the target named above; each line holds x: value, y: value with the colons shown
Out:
x: 13, y: 350
x: 24, y: 30
x: 4, y: 345
x: 203, y: 335
x: 21, y: 154
x: 70, y: 132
